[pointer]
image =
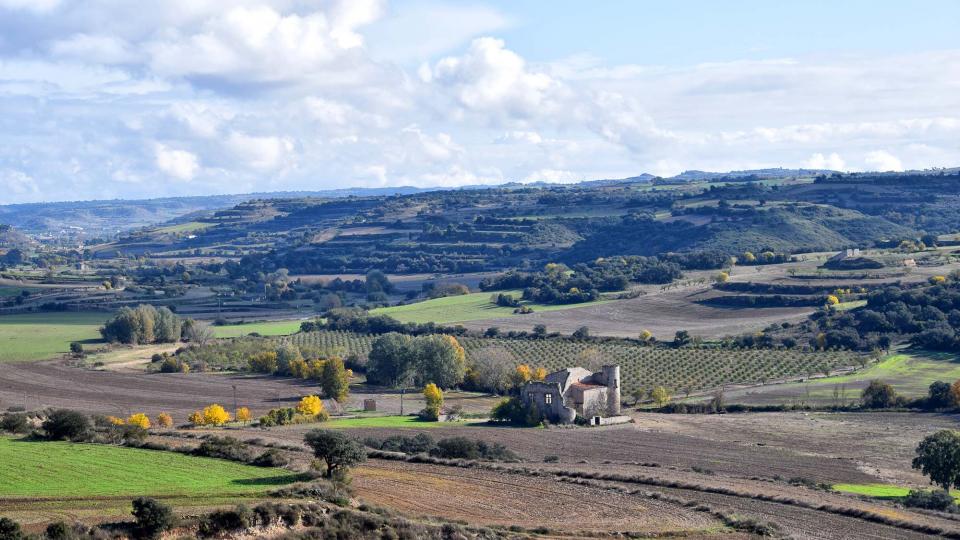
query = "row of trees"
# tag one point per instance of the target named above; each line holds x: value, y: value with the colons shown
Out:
x: 330, y: 372
x: 142, y: 325
x: 398, y: 360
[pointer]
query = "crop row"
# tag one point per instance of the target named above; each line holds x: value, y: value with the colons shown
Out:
x: 685, y: 369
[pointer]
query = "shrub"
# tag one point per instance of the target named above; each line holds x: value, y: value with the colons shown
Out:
x: 264, y: 362
x: 878, y: 395
x: 215, y: 415
x: 937, y: 499
x: 172, y: 364
x: 64, y: 424
x: 15, y: 423
x: 513, y: 411
x: 278, y: 417
x: 271, y: 458
x: 140, y: 420
x: 196, y: 418
x: 222, y: 521
x: 224, y: 448
x: 419, y: 443
x: 10, y: 529
x: 151, y: 517
x: 164, y: 420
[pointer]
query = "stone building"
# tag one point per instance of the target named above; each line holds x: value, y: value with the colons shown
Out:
x: 563, y: 395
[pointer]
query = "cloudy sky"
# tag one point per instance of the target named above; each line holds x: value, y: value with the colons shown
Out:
x: 121, y: 98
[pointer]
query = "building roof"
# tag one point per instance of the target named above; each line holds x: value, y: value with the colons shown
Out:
x: 568, y: 376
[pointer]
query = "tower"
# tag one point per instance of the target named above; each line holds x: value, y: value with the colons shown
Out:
x: 611, y: 378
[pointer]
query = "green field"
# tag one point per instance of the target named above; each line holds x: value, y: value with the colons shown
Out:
x: 62, y: 469
x: 467, y: 307
x: 37, y: 336
x: 910, y: 373
x: 880, y: 491
x: 190, y: 226
x: 268, y: 328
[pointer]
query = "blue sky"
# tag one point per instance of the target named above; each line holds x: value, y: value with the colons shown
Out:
x: 111, y: 98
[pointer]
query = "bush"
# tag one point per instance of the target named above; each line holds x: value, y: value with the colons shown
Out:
x: 64, y: 424
x: 224, y: 448
x: 10, y: 529
x: 278, y: 417
x: 418, y: 444
x: 151, y: 517
x: 937, y: 499
x: 456, y: 448
x: 222, y: 521
x: 15, y: 423
x: 513, y: 411
x: 878, y: 395
x: 271, y: 458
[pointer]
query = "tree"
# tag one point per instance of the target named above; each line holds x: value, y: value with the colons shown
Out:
x: 196, y: 418
x: 581, y: 333
x: 434, y: 398
x: 242, y: 415
x: 334, y: 379
x: 167, y: 326
x: 64, y: 424
x: 491, y: 370
x: 140, y: 420
x: 722, y: 277
x: 540, y: 330
x: 522, y: 375
x: 878, y: 395
x: 646, y: 336
x: 287, y: 356
x: 832, y: 300
x: 215, y: 415
x: 164, y: 420
x: 440, y: 360
x: 200, y: 333
x: 660, y: 396
x: 938, y: 457
x: 151, y: 517
x: 390, y: 362
x: 377, y: 282
x: 141, y: 325
x: 539, y: 374
x: 310, y: 406
x: 940, y: 395
x: 76, y: 348
x: 336, y: 449
x: 681, y: 338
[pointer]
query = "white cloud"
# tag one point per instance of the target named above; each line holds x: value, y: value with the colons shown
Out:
x: 553, y: 176
x: 261, y: 153
x: 881, y: 160
x: 493, y: 79
x: 819, y: 161
x: 91, y: 48
x: 260, y: 45
x: 18, y: 185
x: 36, y: 6
x: 179, y: 164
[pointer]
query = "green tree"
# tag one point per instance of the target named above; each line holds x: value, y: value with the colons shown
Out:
x: 334, y: 380
x: 390, y: 362
x: 939, y: 395
x: 938, y: 457
x: 287, y: 355
x: 439, y: 360
x: 878, y: 395
x: 336, y: 449
x: 64, y: 424
x: 10, y: 529
x: 660, y: 396
x: 377, y: 282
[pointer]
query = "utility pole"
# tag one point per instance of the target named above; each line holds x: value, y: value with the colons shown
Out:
x: 234, y: 399
x: 402, y: 392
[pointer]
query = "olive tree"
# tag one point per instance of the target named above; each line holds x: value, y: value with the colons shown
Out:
x: 337, y: 450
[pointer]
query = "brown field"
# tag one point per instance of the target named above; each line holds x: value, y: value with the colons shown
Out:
x: 662, y: 313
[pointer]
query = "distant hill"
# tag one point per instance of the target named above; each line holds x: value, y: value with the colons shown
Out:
x: 11, y: 238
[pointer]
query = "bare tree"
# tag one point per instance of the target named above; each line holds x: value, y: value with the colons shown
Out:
x: 200, y: 333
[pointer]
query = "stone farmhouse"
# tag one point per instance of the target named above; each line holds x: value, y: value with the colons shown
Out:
x: 563, y: 395
x: 846, y: 254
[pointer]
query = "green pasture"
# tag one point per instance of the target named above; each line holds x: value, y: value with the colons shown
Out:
x: 880, y: 491
x: 467, y: 307
x: 38, y: 336
x: 190, y: 226
x: 62, y: 469
x: 266, y: 328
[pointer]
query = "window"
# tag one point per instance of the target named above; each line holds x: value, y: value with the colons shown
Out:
x: 548, y: 398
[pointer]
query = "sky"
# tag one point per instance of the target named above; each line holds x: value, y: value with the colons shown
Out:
x: 103, y: 99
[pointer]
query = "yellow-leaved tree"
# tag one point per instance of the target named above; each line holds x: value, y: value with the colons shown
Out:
x: 660, y: 396
x: 215, y: 415
x: 937, y: 280
x: 434, y: 398
x: 522, y: 375
x: 196, y: 418
x: 832, y: 300
x: 242, y: 415
x: 139, y: 420
x: 310, y: 406
x: 116, y: 421
x: 540, y: 374
x: 723, y: 277
x: 164, y: 420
